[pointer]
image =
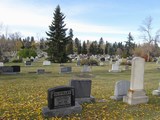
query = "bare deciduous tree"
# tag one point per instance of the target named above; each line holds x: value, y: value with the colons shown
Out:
x: 147, y: 36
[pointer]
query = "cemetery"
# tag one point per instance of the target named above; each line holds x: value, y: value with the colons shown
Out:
x: 62, y: 76
x: 129, y: 94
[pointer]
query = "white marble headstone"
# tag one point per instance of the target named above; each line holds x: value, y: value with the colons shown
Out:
x: 115, y: 67
x: 137, y: 74
x: 86, y: 68
x: 1, y: 64
x: 46, y: 62
x: 136, y: 94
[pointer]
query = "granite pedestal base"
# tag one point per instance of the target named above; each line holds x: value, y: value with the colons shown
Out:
x: 135, y: 97
x: 60, y: 112
x: 91, y: 99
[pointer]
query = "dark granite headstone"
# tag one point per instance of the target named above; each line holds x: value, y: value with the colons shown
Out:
x: 65, y: 69
x: 28, y: 63
x: 16, y: 68
x: 82, y: 88
x: 61, y: 97
x: 82, y: 91
x: 40, y: 71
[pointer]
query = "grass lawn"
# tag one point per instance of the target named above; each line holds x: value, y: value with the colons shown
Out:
x: 23, y: 95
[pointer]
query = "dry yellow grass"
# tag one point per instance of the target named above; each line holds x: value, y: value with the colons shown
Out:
x: 22, y: 96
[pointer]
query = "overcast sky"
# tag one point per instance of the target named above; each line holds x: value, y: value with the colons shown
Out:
x: 90, y: 19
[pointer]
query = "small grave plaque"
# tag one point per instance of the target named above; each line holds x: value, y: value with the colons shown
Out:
x: 40, y: 71
x: 65, y: 69
x: 60, y: 97
x: 28, y: 63
x: 46, y: 62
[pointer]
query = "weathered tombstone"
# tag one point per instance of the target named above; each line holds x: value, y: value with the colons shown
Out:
x: 136, y: 94
x: 66, y: 69
x: 156, y: 92
x: 46, y: 62
x: 86, y: 68
x: 121, y: 89
x: 40, y: 71
x: 115, y: 67
x: 82, y: 90
x: 28, y: 63
x: 61, y: 102
x: 1, y: 64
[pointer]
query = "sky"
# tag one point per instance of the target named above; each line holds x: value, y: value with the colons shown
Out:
x: 89, y: 19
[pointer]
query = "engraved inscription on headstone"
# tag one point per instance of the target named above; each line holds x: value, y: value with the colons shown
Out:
x: 60, y: 97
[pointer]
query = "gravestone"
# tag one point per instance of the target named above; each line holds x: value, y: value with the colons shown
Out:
x: 86, y: 68
x: 28, y: 63
x: 121, y: 89
x: 16, y: 68
x: 115, y: 67
x: 66, y: 69
x: 61, y: 102
x: 1, y: 64
x: 82, y: 90
x: 9, y: 69
x: 156, y: 92
x: 136, y: 94
x: 40, y: 71
x: 6, y: 69
x: 46, y: 62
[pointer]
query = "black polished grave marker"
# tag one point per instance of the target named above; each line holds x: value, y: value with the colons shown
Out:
x: 60, y: 97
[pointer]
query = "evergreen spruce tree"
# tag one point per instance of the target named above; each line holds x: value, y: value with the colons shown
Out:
x: 78, y: 46
x: 100, y: 46
x: 70, y: 44
x: 84, y: 48
x: 129, y: 46
x: 57, y: 39
x: 93, y: 49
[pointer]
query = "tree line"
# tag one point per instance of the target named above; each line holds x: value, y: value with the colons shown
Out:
x: 59, y: 44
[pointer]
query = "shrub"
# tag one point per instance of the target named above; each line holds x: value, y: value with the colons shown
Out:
x: 89, y: 62
x: 27, y: 53
x: 17, y: 60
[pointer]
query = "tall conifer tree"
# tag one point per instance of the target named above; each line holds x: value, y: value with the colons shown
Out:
x: 57, y: 40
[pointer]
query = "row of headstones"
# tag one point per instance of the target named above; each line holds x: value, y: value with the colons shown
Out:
x: 133, y: 92
x: 65, y: 100
x: 68, y: 69
x: 29, y: 62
